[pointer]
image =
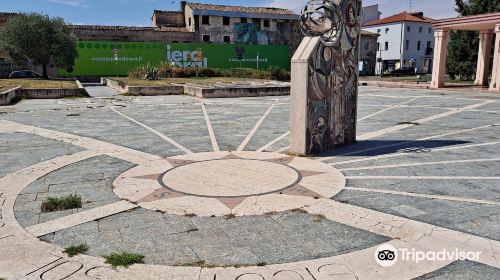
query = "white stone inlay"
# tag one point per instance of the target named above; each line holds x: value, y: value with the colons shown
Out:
x: 230, y: 177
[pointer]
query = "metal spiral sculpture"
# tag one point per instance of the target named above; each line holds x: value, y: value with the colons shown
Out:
x: 333, y: 72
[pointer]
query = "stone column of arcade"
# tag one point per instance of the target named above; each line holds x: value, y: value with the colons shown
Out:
x: 325, y: 77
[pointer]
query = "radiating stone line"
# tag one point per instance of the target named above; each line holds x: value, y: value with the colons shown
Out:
x: 440, y: 197
x: 410, y: 141
x: 211, y: 132
x: 419, y: 164
x: 273, y: 142
x: 421, y: 178
x: 80, y: 218
x: 387, y: 109
x: 257, y: 125
x: 98, y: 146
x: 161, y: 135
x: 282, y: 149
x: 399, y: 127
x: 405, y: 154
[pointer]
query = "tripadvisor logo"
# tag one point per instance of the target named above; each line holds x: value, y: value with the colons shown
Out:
x: 387, y: 255
x: 186, y: 58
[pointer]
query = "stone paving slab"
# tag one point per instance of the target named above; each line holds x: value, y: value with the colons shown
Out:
x: 437, y: 190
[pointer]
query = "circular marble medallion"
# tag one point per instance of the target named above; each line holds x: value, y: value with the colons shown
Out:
x: 230, y: 178
x: 229, y: 183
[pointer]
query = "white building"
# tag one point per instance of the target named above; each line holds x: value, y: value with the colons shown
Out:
x: 406, y: 40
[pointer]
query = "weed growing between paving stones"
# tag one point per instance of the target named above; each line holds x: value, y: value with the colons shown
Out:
x: 76, y: 250
x: 190, y: 215
x: 124, y: 259
x: 319, y: 218
x: 261, y: 264
x: 410, y: 123
x: 52, y: 204
x: 299, y: 210
x: 229, y: 216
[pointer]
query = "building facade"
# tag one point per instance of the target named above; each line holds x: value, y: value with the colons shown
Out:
x: 405, y: 40
x: 233, y: 24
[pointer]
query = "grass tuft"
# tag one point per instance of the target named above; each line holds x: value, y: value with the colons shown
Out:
x: 123, y: 259
x: 318, y: 218
x: 261, y: 264
x: 53, y: 204
x: 299, y: 210
x: 76, y: 250
x: 409, y: 123
x: 229, y: 216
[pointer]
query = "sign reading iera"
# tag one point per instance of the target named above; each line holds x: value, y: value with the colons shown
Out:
x: 98, y: 58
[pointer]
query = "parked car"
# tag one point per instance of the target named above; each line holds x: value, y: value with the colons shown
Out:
x: 25, y: 74
x: 403, y: 71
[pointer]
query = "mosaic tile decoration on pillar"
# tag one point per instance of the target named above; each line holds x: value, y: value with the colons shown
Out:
x: 325, y: 77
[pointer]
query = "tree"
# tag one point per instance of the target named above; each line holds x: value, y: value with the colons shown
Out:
x: 464, y: 45
x: 39, y: 39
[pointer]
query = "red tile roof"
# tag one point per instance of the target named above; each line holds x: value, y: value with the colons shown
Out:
x: 255, y: 10
x: 404, y: 16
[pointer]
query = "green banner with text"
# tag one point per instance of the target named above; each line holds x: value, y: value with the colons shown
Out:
x: 109, y: 58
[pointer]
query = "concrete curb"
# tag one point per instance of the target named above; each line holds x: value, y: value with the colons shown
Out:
x: 11, y: 96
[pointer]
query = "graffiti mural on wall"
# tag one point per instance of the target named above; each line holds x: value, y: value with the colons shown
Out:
x: 249, y: 33
x: 333, y: 72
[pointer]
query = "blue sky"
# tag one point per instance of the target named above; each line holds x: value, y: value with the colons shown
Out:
x: 138, y: 12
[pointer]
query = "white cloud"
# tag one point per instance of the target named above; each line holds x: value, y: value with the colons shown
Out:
x: 74, y: 3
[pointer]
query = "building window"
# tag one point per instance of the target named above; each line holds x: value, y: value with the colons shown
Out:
x: 386, y: 30
x: 226, y: 21
x: 227, y: 39
x: 367, y: 45
x: 206, y: 38
x: 407, y: 44
x: 244, y: 20
x: 429, y: 44
x: 430, y: 30
x: 378, y: 46
x: 419, y: 45
x: 205, y: 20
x: 420, y: 29
x: 189, y: 21
x: 266, y: 23
x: 386, y: 46
x: 408, y: 29
x: 378, y: 31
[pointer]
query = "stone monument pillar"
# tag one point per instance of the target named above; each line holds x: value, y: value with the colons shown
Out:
x: 325, y: 70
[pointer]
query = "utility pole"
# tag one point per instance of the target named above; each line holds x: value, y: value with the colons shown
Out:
x: 411, y: 6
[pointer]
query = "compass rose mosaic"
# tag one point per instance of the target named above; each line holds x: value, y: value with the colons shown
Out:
x: 222, y: 183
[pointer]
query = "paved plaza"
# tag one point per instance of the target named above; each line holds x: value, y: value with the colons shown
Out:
x: 205, y: 189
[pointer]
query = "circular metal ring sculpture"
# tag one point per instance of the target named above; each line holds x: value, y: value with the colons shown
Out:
x: 322, y: 18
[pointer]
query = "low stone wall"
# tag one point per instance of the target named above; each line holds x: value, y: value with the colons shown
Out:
x: 228, y: 92
x: 144, y: 90
x: 114, y: 85
x: 218, y: 90
x: 388, y: 84
x: 154, y: 91
x: 11, y: 96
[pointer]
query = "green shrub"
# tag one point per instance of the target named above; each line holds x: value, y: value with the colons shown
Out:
x: 169, y: 70
x: 76, y: 250
x: 145, y: 72
x: 62, y: 203
x: 123, y: 259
